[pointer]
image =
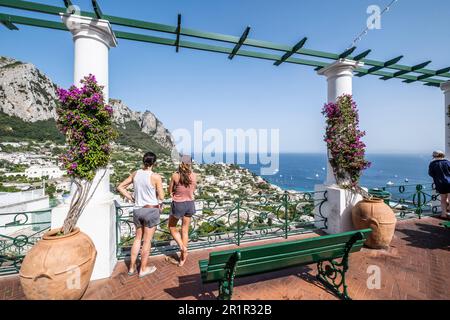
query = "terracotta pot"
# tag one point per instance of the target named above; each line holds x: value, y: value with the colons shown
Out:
x: 58, y: 267
x: 378, y: 216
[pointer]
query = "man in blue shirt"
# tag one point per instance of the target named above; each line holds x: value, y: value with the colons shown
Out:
x: 439, y: 170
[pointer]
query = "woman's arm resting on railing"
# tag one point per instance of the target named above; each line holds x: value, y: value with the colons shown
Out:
x: 122, y: 188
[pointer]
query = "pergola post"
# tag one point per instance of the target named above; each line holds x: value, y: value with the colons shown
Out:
x: 92, y: 40
x: 339, y: 79
x: 337, y: 208
x: 446, y: 88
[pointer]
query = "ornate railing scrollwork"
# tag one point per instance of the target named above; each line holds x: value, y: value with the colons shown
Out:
x: 219, y: 222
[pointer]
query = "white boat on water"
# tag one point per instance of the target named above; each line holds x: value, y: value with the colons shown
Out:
x: 389, y: 183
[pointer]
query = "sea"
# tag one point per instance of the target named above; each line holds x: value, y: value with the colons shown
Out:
x: 301, y: 171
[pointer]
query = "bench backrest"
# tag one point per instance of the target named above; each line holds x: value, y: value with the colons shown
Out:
x: 276, y: 256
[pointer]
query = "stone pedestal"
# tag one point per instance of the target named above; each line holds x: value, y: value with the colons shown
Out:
x: 337, y: 209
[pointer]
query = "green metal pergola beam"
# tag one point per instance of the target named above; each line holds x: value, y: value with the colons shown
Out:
x: 33, y: 22
x: 177, y: 41
x: 67, y: 3
x: 413, y: 68
x: 47, y: 9
x: 201, y: 46
x: 294, y: 49
x: 362, y: 55
x: 8, y: 24
x: 347, y: 53
x: 240, y: 43
x: 97, y: 10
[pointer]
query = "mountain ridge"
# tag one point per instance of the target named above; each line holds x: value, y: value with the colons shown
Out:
x: 28, y: 94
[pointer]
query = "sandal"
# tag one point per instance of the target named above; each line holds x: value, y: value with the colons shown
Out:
x: 171, y: 260
x: 150, y: 270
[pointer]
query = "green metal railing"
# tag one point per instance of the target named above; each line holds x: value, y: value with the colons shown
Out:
x: 232, y: 222
x: 19, y: 231
x: 413, y: 200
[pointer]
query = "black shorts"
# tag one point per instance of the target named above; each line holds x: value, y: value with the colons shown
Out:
x: 182, y: 209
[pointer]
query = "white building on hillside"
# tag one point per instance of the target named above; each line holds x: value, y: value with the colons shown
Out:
x: 52, y: 172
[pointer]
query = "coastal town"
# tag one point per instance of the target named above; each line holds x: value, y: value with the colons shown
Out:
x: 27, y: 165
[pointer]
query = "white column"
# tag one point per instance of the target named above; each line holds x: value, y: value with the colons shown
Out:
x: 339, y: 77
x: 337, y: 208
x: 446, y: 88
x: 92, y: 40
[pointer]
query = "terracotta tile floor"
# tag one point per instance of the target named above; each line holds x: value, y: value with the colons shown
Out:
x: 413, y: 268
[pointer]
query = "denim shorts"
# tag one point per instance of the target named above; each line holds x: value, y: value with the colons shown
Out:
x: 182, y: 209
x: 147, y: 217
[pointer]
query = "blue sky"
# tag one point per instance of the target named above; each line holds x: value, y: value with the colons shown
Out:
x: 250, y: 93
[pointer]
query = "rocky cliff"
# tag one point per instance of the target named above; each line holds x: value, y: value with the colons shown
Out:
x: 147, y: 121
x: 25, y: 92
x: 28, y: 94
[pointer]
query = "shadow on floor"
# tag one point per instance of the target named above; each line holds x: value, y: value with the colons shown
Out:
x: 426, y: 236
x: 191, y: 285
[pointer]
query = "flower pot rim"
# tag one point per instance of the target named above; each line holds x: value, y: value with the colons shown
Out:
x: 374, y: 200
x: 51, y: 234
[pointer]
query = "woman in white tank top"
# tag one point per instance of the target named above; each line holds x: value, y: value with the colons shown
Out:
x: 148, y: 197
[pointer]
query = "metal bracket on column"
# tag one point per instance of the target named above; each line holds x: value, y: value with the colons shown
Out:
x: 177, y: 41
x: 294, y: 49
x: 240, y: 43
x: 97, y: 10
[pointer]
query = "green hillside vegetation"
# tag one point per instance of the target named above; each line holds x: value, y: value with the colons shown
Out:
x: 133, y: 136
x: 14, y: 129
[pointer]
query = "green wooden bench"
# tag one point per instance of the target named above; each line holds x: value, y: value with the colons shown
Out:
x: 224, y: 266
x: 446, y: 224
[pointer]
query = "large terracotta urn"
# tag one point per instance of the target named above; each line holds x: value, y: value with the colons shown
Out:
x: 377, y: 215
x: 58, y: 267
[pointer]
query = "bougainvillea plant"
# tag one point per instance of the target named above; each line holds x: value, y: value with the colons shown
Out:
x: 86, y: 121
x: 343, y: 138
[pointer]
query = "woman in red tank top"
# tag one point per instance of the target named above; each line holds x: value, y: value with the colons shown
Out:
x: 181, y: 188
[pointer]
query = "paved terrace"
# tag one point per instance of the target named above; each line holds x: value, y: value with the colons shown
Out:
x: 415, y: 267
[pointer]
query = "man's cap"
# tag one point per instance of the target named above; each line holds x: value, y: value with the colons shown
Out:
x: 438, y: 154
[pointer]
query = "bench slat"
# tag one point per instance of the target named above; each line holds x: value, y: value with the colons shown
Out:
x: 276, y: 262
x: 222, y: 257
